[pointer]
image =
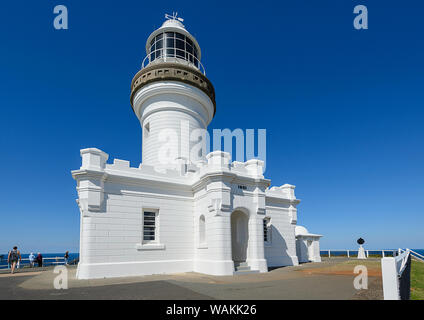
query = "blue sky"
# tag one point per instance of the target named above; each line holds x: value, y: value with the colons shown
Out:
x: 343, y: 108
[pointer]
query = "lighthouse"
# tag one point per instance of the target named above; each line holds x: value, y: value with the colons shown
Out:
x: 181, y: 209
x: 172, y: 97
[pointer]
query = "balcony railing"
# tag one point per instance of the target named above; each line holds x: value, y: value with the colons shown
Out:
x: 190, y: 60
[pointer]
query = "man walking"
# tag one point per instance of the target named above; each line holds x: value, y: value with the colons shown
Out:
x: 13, y: 258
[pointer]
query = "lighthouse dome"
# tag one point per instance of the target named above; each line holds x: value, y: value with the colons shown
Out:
x: 173, y: 23
x: 301, y: 231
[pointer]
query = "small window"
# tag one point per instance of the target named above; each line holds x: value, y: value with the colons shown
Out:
x: 190, y: 57
x: 179, y: 44
x: 189, y: 41
x: 170, y: 43
x: 149, y: 226
x: 180, y: 53
x: 189, y: 49
x: 267, y: 230
x: 147, y: 130
x: 202, y: 230
x: 153, y: 56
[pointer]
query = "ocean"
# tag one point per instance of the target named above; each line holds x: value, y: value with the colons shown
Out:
x: 46, y: 262
x: 387, y: 252
x: 75, y: 255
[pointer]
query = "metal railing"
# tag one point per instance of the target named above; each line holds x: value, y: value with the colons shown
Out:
x: 349, y: 253
x: 48, y: 261
x: 192, y: 61
x: 381, y: 252
x: 416, y: 255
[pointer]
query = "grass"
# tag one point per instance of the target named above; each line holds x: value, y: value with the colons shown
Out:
x: 417, y: 280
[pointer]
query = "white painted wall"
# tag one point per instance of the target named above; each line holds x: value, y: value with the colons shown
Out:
x: 307, y: 248
x: 174, y: 112
x: 112, y: 198
x: 113, y: 243
x: 281, y: 250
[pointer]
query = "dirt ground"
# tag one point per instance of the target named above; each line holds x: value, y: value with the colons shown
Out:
x: 330, y: 280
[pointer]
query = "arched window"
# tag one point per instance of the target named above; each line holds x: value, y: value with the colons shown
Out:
x: 202, y: 230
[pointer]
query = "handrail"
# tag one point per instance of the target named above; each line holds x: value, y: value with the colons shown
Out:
x: 164, y: 57
x: 57, y: 260
x: 338, y: 250
x: 383, y: 251
x: 415, y: 254
x: 403, y: 258
x: 355, y: 250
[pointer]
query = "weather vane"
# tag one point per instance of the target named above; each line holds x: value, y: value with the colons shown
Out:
x: 173, y: 17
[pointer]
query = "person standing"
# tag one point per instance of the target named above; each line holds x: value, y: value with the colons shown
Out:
x: 40, y: 259
x: 31, y: 259
x: 66, y: 257
x: 13, y: 258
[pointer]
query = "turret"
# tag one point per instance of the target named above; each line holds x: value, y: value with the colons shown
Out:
x: 172, y: 97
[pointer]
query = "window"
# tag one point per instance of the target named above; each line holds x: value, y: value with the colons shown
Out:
x: 149, y: 226
x: 170, y: 43
x: 173, y: 44
x: 267, y: 230
x: 150, y: 239
x: 146, y: 130
x: 180, y: 54
x: 202, y: 230
x: 180, y: 44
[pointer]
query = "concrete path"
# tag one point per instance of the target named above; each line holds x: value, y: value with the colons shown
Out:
x: 328, y: 280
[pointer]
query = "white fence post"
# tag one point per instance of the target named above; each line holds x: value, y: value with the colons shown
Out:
x: 382, y: 253
x: 329, y: 253
x: 348, y: 254
x: 392, y: 269
x: 390, y: 279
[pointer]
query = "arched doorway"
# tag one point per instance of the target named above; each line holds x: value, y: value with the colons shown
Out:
x: 310, y: 250
x: 239, y: 236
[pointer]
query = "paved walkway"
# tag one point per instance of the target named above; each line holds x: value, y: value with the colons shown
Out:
x: 331, y: 279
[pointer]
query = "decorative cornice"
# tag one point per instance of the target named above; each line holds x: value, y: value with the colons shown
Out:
x: 89, y: 174
x: 175, y: 72
x: 279, y: 199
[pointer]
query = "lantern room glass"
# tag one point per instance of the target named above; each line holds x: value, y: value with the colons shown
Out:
x: 173, y: 45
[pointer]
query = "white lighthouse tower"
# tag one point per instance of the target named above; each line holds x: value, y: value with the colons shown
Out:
x: 181, y: 210
x: 172, y: 97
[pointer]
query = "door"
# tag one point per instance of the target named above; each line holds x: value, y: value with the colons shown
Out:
x: 239, y: 236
